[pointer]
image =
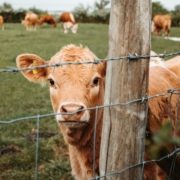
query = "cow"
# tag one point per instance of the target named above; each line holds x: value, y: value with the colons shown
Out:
x: 30, y: 21
x: 174, y: 65
x: 155, y: 60
x: 68, y: 21
x: 162, y: 23
x: 163, y: 75
x: 2, y: 22
x: 75, y: 89
x: 49, y: 19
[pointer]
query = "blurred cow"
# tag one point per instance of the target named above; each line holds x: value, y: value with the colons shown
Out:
x: 30, y: 21
x: 49, y: 19
x: 161, y: 23
x: 69, y: 22
x: 2, y: 22
x: 174, y: 65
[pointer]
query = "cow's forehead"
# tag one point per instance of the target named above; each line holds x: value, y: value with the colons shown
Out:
x: 69, y: 73
x: 72, y: 53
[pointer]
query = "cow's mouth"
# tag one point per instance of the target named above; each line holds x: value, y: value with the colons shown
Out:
x: 72, y: 124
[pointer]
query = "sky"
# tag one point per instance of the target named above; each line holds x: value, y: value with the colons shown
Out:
x: 68, y: 5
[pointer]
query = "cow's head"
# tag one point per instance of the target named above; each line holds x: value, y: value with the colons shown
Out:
x: 73, y: 88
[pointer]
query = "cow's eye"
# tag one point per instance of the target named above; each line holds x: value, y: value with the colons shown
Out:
x: 95, y: 81
x: 51, y: 82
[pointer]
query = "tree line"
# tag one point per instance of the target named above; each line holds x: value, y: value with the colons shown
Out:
x: 99, y: 13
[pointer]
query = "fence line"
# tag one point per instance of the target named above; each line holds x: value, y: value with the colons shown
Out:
x: 175, y: 152
x: 141, y: 100
x: 130, y: 57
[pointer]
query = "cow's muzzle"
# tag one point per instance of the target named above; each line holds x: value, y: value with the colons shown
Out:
x: 73, y: 114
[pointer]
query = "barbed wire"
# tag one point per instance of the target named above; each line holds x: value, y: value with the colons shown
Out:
x: 141, y: 100
x: 130, y: 57
x: 114, y: 173
x: 176, y: 152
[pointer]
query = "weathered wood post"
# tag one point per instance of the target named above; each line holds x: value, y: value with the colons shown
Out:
x: 123, y: 132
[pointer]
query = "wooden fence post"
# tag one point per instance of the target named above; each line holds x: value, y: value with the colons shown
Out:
x: 123, y: 131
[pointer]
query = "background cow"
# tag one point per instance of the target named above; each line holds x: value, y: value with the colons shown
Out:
x: 161, y: 23
x: 87, y: 82
x: 2, y: 22
x: 49, y: 19
x: 30, y: 21
x: 69, y: 22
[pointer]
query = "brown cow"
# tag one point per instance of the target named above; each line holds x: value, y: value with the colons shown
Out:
x: 75, y: 88
x: 49, y: 19
x: 161, y: 110
x: 174, y: 65
x: 69, y: 22
x: 161, y: 23
x: 30, y: 21
x: 2, y: 22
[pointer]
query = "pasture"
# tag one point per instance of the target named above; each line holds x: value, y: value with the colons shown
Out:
x: 20, y: 98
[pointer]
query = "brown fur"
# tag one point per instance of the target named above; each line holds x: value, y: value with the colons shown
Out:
x: 1, y: 22
x: 67, y: 17
x: 49, y: 19
x: 161, y: 109
x: 68, y: 21
x: 30, y: 21
x: 162, y: 23
x: 74, y: 83
x: 174, y: 65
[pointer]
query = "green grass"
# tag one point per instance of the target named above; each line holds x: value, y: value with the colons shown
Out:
x: 19, y: 98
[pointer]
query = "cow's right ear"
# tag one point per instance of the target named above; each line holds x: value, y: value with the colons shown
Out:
x: 26, y: 64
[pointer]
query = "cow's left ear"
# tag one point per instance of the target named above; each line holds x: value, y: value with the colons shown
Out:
x: 27, y: 62
x: 102, y: 67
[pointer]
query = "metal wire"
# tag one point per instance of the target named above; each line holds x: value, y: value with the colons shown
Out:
x: 115, y: 173
x: 131, y: 57
x: 141, y: 100
x: 37, y: 148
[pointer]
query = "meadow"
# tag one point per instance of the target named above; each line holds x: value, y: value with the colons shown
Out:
x: 19, y: 98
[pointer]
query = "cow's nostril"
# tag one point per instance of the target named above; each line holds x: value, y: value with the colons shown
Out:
x: 80, y: 110
x: 63, y: 109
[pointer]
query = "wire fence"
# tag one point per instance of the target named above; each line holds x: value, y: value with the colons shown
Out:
x: 130, y: 57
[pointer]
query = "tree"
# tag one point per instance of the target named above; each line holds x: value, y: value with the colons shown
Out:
x: 176, y: 16
x: 82, y: 13
x: 158, y: 8
x: 6, y: 7
x: 177, y: 8
x: 37, y: 11
x: 102, y: 4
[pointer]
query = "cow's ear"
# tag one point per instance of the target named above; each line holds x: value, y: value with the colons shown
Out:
x: 26, y: 64
x: 102, y: 67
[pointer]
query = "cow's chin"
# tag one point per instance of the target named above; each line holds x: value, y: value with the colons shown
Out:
x: 73, y: 133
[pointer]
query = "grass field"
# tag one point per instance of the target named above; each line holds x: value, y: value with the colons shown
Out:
x: 19, y: 98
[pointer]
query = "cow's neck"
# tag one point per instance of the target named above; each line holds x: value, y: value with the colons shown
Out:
x: 82, y: 155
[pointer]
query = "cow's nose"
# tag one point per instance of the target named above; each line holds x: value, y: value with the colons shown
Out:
x: 72, y: 112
